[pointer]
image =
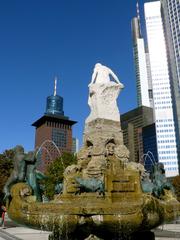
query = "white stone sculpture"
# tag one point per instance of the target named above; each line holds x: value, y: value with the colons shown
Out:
x: 103, y: 93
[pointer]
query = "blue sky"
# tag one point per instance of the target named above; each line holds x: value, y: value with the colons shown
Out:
x: 41, y: 39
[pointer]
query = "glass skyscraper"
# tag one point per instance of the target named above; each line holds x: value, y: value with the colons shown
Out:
x: 162, y: 98
x: 141, y: 70
x: 170, y: 10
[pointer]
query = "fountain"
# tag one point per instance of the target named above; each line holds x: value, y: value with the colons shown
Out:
x: 104, y: 195
x: 45, y: 146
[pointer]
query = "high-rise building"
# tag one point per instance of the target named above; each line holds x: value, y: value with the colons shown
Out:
x: 162, y: 98
x: 149, y: 146
x: 150, y: 91
x: 170, y: 10
x: 53, y: 132
x: 132, y: 123
x: 139, y: 55
x: 75, y: 145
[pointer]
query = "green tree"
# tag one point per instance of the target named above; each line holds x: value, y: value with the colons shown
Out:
x: 176, y: 185
x: 55, y: 171
x: 6, y: 166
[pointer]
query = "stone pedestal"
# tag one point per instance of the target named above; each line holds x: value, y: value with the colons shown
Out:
x: 101, y: 131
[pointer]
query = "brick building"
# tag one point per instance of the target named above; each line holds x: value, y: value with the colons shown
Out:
x: 53, y: 132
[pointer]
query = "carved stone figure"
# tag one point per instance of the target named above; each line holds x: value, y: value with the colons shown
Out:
x: 101, y: 74
x: 103, y: 94
x: 24, y: 171
x: 18, y: 173
x: 160, y: 181
x: 90, y: 185
x: 158, y: 184
x: 58, y: 188
x: 32, y: 175
x: 110, y: 148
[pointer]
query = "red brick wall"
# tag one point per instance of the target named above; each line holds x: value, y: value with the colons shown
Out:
x: 49, y: 152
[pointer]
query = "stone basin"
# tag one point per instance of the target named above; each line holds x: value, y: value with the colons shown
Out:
x: 115, y: 215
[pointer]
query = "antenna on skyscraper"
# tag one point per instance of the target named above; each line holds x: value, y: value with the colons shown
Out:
x: 55, y: 85
x: 138, y: 16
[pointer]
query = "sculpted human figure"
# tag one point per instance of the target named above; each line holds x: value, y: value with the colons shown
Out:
x: 110, y: 149
x: 24, y: 170
x: 103, y: 93
x: 101, y: 74
x: 32, y: 175
x: 18, y: 173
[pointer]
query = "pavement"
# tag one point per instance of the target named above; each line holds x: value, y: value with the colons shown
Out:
x: 168, y: 232
x: 13, y: 231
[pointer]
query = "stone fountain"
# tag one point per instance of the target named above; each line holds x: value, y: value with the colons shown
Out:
x: 104, y: 195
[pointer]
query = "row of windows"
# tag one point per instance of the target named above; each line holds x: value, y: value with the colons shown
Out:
x: 160, y: 83
x: 165, y: 97
x: 161, y: 88
x: 163, y: 107
x: 170, y: 163
x: 165, y: 130
x: 162, y: 102
x: 163, y: 76
x: 164, y: 120
x: 164, y: 125
x: 172, y: 169
x: 58, y: 125
x: 162, y: 93
x: 168, y: 157
x: 167, y: 152
x: 153, y: 26
x: 166, y: 146
x: 166, y: 136
x: 166, y: 141
x: 154, y: 17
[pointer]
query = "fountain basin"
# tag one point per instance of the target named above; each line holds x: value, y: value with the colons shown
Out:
x: 90, y: 213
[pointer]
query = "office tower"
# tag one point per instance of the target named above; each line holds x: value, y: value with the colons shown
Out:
x: 75, y: 145
x: 149, y: 146
x: 141, y: 68
x: 132, y: 123
x: 163, y: 110
x: 53, y: 132
x: 170, y: 10
x: 150, y: 91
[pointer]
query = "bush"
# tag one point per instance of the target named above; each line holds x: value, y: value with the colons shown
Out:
x: 176, y: 185
x: 55, y: 171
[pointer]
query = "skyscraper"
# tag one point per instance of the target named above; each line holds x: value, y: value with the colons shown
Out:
x: 139, y: 54
x: 132, y: 123
x: 53, y: 132
x: 163, y: 109
x: 170, y: 10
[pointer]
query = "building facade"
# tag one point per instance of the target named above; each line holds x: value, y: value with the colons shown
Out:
x: 170, y: 10
x: 132, y: 123
x: 75, y: 145
x: 163, y: 108
x: 150, y: 156
x: 139, y: 54
x: 53, y: 132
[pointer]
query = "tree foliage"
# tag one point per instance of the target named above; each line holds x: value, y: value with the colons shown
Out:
x: 176, y: 185
x: 6, y: 166
x: 55, y: 171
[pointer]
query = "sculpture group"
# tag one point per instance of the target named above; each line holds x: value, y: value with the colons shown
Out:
x: 104, y: 194
x: 24, y: 171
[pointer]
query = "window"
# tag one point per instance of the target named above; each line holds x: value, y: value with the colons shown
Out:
x: 59, y: 136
